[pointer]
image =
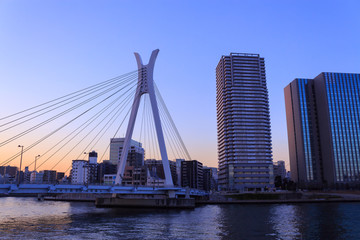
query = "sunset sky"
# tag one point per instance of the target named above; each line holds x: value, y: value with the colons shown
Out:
x: 51, y: 48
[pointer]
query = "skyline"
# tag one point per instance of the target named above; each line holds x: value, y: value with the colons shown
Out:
x: 39, y: 40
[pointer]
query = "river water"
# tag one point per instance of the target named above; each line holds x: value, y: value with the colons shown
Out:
x: 27, y: 218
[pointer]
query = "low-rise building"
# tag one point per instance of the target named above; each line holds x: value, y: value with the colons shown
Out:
x: 36, y: 177
x: 153, y: 180
x: 49, y: 176
x: 192, y: 174
x: 156, y: 169
x: 79, y: 172
x: 109, y: 179
x: 105, y: 168
x: 60, y: 176
x: 9, y: 171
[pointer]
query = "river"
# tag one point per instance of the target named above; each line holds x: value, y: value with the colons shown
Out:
x: 27, y: 218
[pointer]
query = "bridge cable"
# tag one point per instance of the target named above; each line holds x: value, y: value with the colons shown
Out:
x: 135, y: 71
x: 82, y: 138
x: 66, y: 103
x: 180, y: 151
x: 116, y: 132
x: 42, y: 139
x: 83, y: 126
x: 126, y: 100
x: 108, y: 128
x: 171, y: 120
x: 170, y: 135
x: 68, y: 169
x: 57, y: 116
x: 167, y: 133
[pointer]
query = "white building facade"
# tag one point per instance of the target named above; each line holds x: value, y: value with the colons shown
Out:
x: 79, y: 172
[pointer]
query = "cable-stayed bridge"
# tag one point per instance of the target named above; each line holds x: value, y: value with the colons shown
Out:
x: 63, y: 129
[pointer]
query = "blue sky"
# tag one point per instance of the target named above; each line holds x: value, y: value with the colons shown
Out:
x: 51, y: 48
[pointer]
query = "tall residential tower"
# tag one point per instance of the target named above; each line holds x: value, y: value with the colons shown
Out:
x: 243, y: 123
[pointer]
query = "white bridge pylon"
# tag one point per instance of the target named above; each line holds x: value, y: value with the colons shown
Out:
x: 145, y: 85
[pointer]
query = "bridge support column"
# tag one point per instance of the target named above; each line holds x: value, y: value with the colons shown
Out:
x: 145, y: 85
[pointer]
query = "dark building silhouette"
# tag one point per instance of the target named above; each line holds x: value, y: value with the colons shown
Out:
x: 60, y: 176
x: 192, y: 174
x: 27, y: 175
x: 210, y: 179
x: 8, y: 170
x: 156, y: 169
x: 106, y: 167
x: 49, y: 176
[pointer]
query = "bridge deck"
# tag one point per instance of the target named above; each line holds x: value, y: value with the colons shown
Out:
x: 64, y: 188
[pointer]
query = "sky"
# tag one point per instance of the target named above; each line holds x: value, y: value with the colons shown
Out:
x: 51, y: 48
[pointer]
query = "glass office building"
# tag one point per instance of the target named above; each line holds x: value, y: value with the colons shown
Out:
x: 323, y: 119
x: 243, y: 123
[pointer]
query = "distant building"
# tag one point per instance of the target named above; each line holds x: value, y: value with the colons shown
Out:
x: 153, y: 180
x: 135, y: 155
x: 288, y: 175
x: 173, y: 171
x: 85, y: 172
x: 178, y: 171
x: 210, y: 178
x: 243, y: 123
x: 27, y: 175
x: 105, y: 168
x: 92, y: 168
x: 79, y: 172
x: 8, y: 170
x: 155, y: 167
x: 279, y: 169
x: 109, y: 179
x: 323, y: 130
x: 37, y: 177
x: 134, y: 172
x: 192, y: 174
x: 93, y: 157
x: 60, y: 176
x: 135, y: 176
x: 157, y: 170
x: 49, y: 176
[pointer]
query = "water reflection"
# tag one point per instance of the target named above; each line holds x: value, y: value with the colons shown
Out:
x: 131, y: 223
x: 285, y: 221
x: 244, y: 222
x: 316, y: 221
x: 30, y: 219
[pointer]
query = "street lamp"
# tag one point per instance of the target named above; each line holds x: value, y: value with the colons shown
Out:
x: 36, y: 157
x: 21, y: 156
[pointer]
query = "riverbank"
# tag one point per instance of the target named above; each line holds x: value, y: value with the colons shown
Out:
x: 282, y: 198
x: 277, y: 201
x: 217, y: 198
